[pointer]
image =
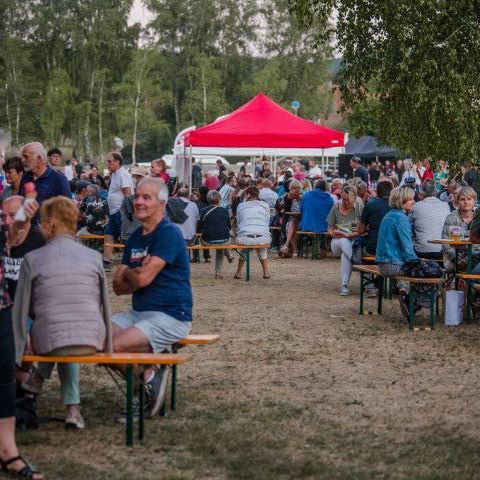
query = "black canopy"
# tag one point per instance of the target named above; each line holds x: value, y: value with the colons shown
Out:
x: 369, y: 148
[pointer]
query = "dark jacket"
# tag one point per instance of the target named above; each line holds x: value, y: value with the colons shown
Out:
x: 215, y: 224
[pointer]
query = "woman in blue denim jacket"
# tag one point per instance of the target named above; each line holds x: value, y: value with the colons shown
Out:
x: 395, y: 241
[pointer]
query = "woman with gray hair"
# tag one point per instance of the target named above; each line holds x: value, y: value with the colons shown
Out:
x: 215, y: 228
x: 457, y: 224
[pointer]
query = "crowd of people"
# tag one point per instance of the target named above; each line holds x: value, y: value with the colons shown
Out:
x: 388, y: 210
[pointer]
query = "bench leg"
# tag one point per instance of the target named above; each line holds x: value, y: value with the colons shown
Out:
x: 411, y: 308
x: 173, y: 399
x: 468, y: 313
x: 380, y: 295
x: 432, y: 307
x: 247, y: 261
x: 129, y: 424
x: 362, y: 288
x: 141, y: 413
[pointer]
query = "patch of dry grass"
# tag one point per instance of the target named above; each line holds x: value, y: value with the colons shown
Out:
x: 299, y: 387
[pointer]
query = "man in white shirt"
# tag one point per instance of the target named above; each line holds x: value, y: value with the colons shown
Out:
x: 121, y: 186
x: 314, y: 171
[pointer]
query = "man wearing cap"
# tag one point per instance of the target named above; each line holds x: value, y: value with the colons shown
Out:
x: 359, y: 170
x: 121, y: 186
x: 55, y: 159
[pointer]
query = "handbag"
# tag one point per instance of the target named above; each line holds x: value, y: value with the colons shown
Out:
x: 422, y: 269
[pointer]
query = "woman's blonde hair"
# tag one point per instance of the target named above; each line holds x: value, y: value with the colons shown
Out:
x: 351, y: 191
x: 62, y: 213
x: 399, y: 196
x: 468, y: 192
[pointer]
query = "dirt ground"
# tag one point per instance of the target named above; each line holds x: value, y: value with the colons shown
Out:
x: 300, y: 386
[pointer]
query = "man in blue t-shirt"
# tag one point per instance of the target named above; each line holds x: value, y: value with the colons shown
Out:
x: 156, y: 271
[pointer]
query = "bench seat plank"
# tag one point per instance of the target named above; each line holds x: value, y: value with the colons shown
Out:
x: 226, y: 247
x: 91, y: 236
x: 115, y: 358
x: 196, y: 339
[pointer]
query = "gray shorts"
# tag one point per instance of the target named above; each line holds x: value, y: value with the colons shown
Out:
x: 161, y: 329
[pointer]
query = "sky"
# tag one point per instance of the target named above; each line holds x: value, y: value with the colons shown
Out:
x: 139, y: 13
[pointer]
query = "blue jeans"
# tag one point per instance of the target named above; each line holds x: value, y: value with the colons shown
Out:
x: 114, y: 225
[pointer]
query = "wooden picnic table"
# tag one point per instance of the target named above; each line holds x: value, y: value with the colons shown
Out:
x: 457, y: 245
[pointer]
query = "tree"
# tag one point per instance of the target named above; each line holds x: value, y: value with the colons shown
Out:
x: 140, y: 98
x: 57, y: 105
x: 420, y: 60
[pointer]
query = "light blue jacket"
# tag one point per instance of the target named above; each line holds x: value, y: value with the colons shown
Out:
x: 395, y: 240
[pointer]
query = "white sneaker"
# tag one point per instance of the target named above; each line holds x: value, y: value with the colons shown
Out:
x: 344, y: 291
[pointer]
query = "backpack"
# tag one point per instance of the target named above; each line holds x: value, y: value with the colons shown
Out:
x: 422, y: 269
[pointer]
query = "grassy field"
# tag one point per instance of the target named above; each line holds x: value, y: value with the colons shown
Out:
x: 299, y: 387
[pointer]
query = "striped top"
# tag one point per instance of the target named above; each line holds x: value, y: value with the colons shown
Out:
x: 253, y: 218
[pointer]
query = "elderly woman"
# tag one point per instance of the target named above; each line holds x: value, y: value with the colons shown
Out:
x: 291, y: 215
x: 395, y: 239
x: 253, y: 218
x: 64, y: 291
x: 458, y: 223
x: 215, y: 228
x: 343, y: 221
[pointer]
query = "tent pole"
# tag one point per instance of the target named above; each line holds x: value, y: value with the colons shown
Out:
x: 190, y: 166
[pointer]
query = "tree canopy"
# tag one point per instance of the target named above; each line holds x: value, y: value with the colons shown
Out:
x: 418, y: 59
x: 78, y: 74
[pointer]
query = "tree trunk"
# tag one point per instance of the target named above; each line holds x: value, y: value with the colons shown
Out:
x: 139, y: 85
x: 204, y: 93
x: 7, y: 109
x: 17, y: 106
x: 176, y: 108
x: 86, y: 127
x: 100, y: 123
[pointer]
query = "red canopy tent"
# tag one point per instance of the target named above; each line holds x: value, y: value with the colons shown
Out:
x: 261, y: 124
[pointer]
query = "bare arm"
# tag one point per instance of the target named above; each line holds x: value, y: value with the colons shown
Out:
x: 120, y: 285
x: 361, y: 229
x: 128, y: 280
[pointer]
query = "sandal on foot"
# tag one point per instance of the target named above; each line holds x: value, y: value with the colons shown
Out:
x: 266, y: 277
x: 237, y: 276
x: 28, y: 471
x: 218, y: 275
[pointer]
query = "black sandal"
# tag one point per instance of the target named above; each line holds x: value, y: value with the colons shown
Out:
x: 28, y: 471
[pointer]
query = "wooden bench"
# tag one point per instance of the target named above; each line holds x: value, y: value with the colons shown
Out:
x: 367, y: 272
x: 316, y: 239
x: 415, y: 283
x: 470, y: 279
x: 173, y: 359
x: 128, y: 359
x: 192, y: 339
x: 91, y: 236
x: 237, y: 248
